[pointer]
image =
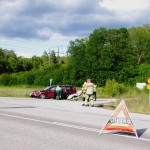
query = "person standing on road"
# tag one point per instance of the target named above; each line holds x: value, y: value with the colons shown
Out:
x: 58, y: 92
x: 84, y: 91
x: 90, y: 87
x: 94, y: 92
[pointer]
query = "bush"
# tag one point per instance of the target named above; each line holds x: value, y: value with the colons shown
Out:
x: 113, y: 88
x: 5, y: 79
x: 29, y: 78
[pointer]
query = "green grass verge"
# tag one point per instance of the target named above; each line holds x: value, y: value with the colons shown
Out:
x: 17, y: 91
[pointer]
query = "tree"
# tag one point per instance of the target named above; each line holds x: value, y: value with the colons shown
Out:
x: 53, y: 58
x: 37, y: 62
x: 46, y: 59
x: 3, y: 62
x: 13, y: 64
x: 77, y: 61
x: 9, y: 53
x: 96, y: 54
x: 25, y: 64
x: 140, y: 41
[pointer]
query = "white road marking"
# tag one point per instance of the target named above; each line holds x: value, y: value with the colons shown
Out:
x: 70, y: 126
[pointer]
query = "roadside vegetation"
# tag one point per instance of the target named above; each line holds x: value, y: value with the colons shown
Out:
x: 16, y: 91
x: 121, y: 54
x: 136, y: 100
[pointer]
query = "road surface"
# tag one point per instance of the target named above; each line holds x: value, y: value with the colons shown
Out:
x: 35, y: 124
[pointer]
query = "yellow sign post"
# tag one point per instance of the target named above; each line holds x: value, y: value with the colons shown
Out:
x: 148, y: 87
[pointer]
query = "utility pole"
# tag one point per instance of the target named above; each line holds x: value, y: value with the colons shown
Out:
x: 58, y: 55
x: 49, y: 56
x: 58, y: 51
x: 67, y: 50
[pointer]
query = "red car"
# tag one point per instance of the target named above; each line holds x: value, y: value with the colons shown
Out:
x: 50, y: 92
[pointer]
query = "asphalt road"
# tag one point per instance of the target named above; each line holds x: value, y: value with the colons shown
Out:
x: 34, y: 124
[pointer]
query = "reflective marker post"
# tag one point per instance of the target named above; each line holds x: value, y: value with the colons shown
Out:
x: 51, y: 82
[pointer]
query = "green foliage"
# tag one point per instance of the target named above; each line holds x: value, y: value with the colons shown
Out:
x: 106, y: 54
x: 37, y: 62
x: 29, y: 78
x: 10, y: 63
x: 143, y: 72
x: 53, y: 58
x: 5, y: 79
x: 113, y: 88
x: 112, y: 58
x: 77, y: 60
x: 140, y: 41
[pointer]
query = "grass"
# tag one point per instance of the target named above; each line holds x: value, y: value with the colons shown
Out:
x: 137, y: 101
x: 17, y: 91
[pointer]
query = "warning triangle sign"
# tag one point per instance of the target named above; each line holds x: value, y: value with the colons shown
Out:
x: 120, y: 121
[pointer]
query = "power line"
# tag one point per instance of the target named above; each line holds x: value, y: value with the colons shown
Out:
x: 28, y: 50
x: 26, y: 47
x: 38, y: 42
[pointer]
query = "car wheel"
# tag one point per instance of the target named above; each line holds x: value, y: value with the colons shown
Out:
x: 42, y: 96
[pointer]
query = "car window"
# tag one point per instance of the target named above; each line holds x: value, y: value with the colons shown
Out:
x: 63, y: 88
x: 46, y: 88
x: 70, y: 88
x: 53, y: 89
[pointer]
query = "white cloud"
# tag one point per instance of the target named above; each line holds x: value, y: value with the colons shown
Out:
x: 8, y: 9
x: 67, y: 3
x: 127, y: 10
x: 44, y: 32
x: 11, y: 6
x: 60, y: 37
x: 125, y: 5
x: 54, y: 36
x: 65, y: 20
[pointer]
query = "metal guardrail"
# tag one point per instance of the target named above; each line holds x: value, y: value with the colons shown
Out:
x: 104, y: 102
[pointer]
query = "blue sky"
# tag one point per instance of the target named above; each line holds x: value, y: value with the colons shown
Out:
x: 30, y: 27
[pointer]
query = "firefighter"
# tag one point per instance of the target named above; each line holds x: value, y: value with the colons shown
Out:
x: 84, y: 91
x: 90, y: 87
x: 94, y: 93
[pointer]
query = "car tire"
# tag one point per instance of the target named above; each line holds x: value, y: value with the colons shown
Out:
x: 42, y: 96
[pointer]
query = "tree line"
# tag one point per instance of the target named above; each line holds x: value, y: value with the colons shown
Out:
x: 106, y: 54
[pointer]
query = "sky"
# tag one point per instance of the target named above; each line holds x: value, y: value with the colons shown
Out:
x: 30, y: 27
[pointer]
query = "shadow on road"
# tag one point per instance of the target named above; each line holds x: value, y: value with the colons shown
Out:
x: 17, y: 107
x: 140, y: 132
